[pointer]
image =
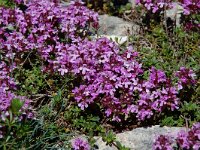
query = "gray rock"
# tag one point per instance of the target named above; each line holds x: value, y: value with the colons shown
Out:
x: 175, y: 13
x: 118, y: 39
x: 111, y: 25
x: 140, y: 138
x: 65, y: 2
x: 133, y: 2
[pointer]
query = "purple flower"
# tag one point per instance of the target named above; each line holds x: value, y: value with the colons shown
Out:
x: 5, y: 80
x: 80, y: 144
x: 6, y: 98
x: 163, y: 142
x: 190, y: 6
x: 182, y: 140
x: 157, y: 76
x: 186, y: 77
x: 185, y: 140
x: 108, y: 112
x: 155, y: 6
x: 191, y: 139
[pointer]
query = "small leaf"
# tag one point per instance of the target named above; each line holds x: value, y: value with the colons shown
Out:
x: 16, y: 105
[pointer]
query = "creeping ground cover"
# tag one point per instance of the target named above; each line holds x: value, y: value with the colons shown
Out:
x: 58, y: 83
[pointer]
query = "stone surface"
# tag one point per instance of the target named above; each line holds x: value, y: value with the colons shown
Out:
x: 175, y: 13
x: 140, y: 138
x: 111, y: 25
x: 65, y: 2
x: 118, y: 39
x: 133, y: 2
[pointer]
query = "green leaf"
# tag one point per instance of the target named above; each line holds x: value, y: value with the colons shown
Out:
x: 16, y: 105
x: 109, y: 137
x: 169, y: 121
x: 121, y: 147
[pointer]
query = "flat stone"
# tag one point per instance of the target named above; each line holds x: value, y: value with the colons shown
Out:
x: 139, y: 138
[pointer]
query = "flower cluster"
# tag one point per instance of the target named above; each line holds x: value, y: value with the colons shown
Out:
x: 6, y: 81
x: 191, y: 139
x: 190, y: 6
x: 113, y: 80
x: 6, y: 98
x: 191, y: 11
x: 186, y: 77
x: 185, y: 140
x: 80, y: 144
x: 155, y: 5
x: 162, y: 143
x: 41, y: 25
x: 157, y: 94
x: 109, y: 78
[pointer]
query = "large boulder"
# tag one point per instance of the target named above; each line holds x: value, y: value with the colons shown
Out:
x: 139, y: 138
